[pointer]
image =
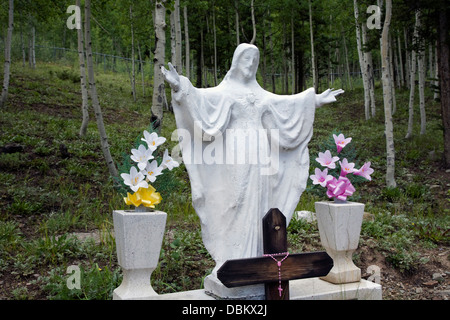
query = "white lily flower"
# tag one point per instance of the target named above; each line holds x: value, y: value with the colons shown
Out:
x: 142, y: 155
x: 152, y: 140
x: 168, y: 162
x: 152, y: 171
x: 134, y: 180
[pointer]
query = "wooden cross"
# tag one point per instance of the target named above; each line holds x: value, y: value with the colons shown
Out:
x: 275, y: 270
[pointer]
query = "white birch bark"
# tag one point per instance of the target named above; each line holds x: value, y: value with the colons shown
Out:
x: 367, y: 56
x: 436, y: 75
x: 313, y: 57
x: 187, y: 44
x: 215, y: 44
x: 421, y: 71
x: 158, y: 79
x: 238, y: 40
x: 84, y: 91
x: 412, y: 83
x: 94, y: 96
x: 387, y: 97
x: 293, y: 55
x: 133, y: 55
x: 402, y: 74
x: 347, y: 65
x: 7, y: 65
x: 253, y: 22
x: 362, y: 63
x: 178, y: 39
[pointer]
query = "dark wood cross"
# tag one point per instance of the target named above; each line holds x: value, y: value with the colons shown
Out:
x: 276, y: 267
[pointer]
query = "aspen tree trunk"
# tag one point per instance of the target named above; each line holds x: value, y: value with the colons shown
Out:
x: 412, y: 82
x: 362, y: 63
x: 313, y: 58
x: 293, y: 55
x: 133, y: 62
x: 391, y: 76
x: 178, y: 39
x: 84, y: 91
x: 402, y: 74
x: 215, y: 44
x: 7, y: 68
x: 436, y: 75
x: 421, y: 70
x: 236, y: 5
x: 141, y: 63
x: 408, y: 61
x: 94, y: 96
x: 187, y: 44
x: 387, y: 97
x: 158, y: 79
x: 347, y: 65
x: 173, y: 43
x: 253, y: 22
x: 272, y: 62
x: 367, y: 56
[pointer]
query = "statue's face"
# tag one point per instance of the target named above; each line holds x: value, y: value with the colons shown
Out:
x: 248, y: 64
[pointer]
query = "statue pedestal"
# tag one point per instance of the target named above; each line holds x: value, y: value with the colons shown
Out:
x: 216, y: 289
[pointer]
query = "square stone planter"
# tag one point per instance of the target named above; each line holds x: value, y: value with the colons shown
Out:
x: 139, y: 238
x: 340, y: 227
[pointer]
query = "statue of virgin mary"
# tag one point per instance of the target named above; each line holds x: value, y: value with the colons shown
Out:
x: 232, y: 198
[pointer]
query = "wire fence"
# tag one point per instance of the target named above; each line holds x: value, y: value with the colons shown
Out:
x: 113, y: 63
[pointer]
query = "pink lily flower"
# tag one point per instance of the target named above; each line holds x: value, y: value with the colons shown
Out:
x: 341, y: 141
x: 346, y: 167
x: 321, y: 177
x: 326, y: 160
x: 365, y: 171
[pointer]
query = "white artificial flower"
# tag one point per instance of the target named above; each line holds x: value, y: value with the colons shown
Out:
x: 134, y: 180
x: 141, y: 155
x: 152, y: 171
x: 168, y: 162
x: 152, y: 140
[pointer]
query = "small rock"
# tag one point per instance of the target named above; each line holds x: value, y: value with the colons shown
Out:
x: 430, y: 283
x: 438, y: 277
x: 419, y: 290
x: 308, y: 216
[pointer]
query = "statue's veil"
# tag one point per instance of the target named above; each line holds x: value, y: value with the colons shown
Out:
x: 243, y: 47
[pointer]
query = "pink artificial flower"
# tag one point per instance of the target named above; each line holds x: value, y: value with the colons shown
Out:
x: 340, y: 188
x: 346, y: 167
x: 321, y: 177
x: 365, y: 171
x: 341, y: 142
x: 326, y: 160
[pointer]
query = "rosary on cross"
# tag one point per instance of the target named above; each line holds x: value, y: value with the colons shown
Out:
x: 286, y: 254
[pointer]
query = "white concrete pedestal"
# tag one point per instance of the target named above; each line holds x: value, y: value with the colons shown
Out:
x: 303, y: 289
x: 139, y: 238
x: 340, y: 227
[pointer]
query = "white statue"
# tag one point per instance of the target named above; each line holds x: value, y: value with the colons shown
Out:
x: 231, y: 197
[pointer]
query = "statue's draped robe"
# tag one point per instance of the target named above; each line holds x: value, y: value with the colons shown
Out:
x: 231, y: 199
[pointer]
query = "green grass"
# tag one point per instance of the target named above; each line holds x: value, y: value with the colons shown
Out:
x: 45, y: 196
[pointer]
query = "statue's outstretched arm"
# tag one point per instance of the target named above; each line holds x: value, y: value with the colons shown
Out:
x: 328, y: 96
x: 172, y: 77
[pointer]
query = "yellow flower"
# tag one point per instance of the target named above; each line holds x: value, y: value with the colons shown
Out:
x: 144, y: 196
